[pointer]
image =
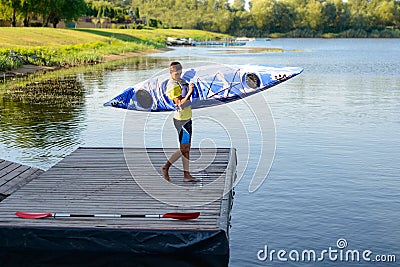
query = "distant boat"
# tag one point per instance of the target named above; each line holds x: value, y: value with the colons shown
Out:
x: 171, y: 41
x: 244, y: 39
x: 220, y: 43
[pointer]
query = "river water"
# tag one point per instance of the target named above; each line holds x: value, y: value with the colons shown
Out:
x: 318, y: 155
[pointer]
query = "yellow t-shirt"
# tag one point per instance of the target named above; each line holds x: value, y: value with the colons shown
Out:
x: 174, y: 90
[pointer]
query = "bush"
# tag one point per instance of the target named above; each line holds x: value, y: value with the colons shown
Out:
x: 153, y: 23
x: 355, y: 33
x: 387, y: 33
x: 36, y: 24
x: 8, y: 63
x: 330, y: 35
x: 137, y: 26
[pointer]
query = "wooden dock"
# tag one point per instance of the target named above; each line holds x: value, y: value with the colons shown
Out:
x: 124, y: 181
x: 13, y: 176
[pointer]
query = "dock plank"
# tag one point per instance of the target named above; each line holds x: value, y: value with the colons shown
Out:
x: 13, y: 176
x: 99, y: 181
x: 124, y: 181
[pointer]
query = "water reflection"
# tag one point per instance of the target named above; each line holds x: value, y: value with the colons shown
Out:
x: 39, y: 115
x: 42, y: 117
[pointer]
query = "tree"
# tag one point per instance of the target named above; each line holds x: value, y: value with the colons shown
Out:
x: 14, y: 6
x: 329, y: 15
x: 314, y: 14
x: 396, y: 19
x: 263, y: 13
x: 238, y: 5
x: 285, y: 17
x: 381, y: 12
x: 64, y: 9
x: 359, y: 15
x: 342, y: 21
x: 73, y: 9
x: 137, y: 13
x: 28, y: 10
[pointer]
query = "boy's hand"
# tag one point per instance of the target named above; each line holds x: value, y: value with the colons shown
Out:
x: 191, y: 87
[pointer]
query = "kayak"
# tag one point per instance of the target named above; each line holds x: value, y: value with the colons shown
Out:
x: 214, y: 85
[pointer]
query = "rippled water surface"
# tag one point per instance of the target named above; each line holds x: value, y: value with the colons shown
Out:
x: 335, y: 172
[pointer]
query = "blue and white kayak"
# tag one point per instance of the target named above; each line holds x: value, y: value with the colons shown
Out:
x: 214, y: 85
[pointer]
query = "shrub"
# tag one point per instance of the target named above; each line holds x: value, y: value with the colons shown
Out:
x: 36, y: 24
x: 8, y: 63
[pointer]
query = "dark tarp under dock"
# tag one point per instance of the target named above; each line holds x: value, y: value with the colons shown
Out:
x: 124, y: 181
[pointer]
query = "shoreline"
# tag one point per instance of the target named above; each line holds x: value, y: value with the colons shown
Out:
x: 28, y: 69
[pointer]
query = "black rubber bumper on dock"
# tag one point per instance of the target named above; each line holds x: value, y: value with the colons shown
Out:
x: 56, y: 245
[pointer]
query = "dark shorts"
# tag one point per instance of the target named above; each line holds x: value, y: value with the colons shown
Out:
x: 184, y: 129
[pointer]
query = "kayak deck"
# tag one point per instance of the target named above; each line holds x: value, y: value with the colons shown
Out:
x: 98, y: 181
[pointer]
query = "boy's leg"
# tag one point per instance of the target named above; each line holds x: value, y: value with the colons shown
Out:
x: 184, y: 133
x: 185, y: 150
x: 174, y: 157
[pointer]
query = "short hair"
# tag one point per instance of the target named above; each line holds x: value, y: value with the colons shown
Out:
x: 175, y: 66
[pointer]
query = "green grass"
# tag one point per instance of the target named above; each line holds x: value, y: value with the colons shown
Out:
x: 12, y: 38
x: 73, y: 47
x: 19, y: 82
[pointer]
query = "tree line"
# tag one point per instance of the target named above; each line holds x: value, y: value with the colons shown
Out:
x: 50, y: 11
x: 255, y: 18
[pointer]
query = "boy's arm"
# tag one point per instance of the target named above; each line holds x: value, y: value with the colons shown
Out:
x: 180, y: 101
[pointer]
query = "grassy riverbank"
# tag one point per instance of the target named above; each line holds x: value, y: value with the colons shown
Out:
x: 73, y: 47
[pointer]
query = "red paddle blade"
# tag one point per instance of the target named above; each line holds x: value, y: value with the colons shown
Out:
x: 32, y: 215
x: 182, y: 215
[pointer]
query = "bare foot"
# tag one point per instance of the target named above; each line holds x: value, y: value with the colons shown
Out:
x: 189, y: 178
x: 164, y: 171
